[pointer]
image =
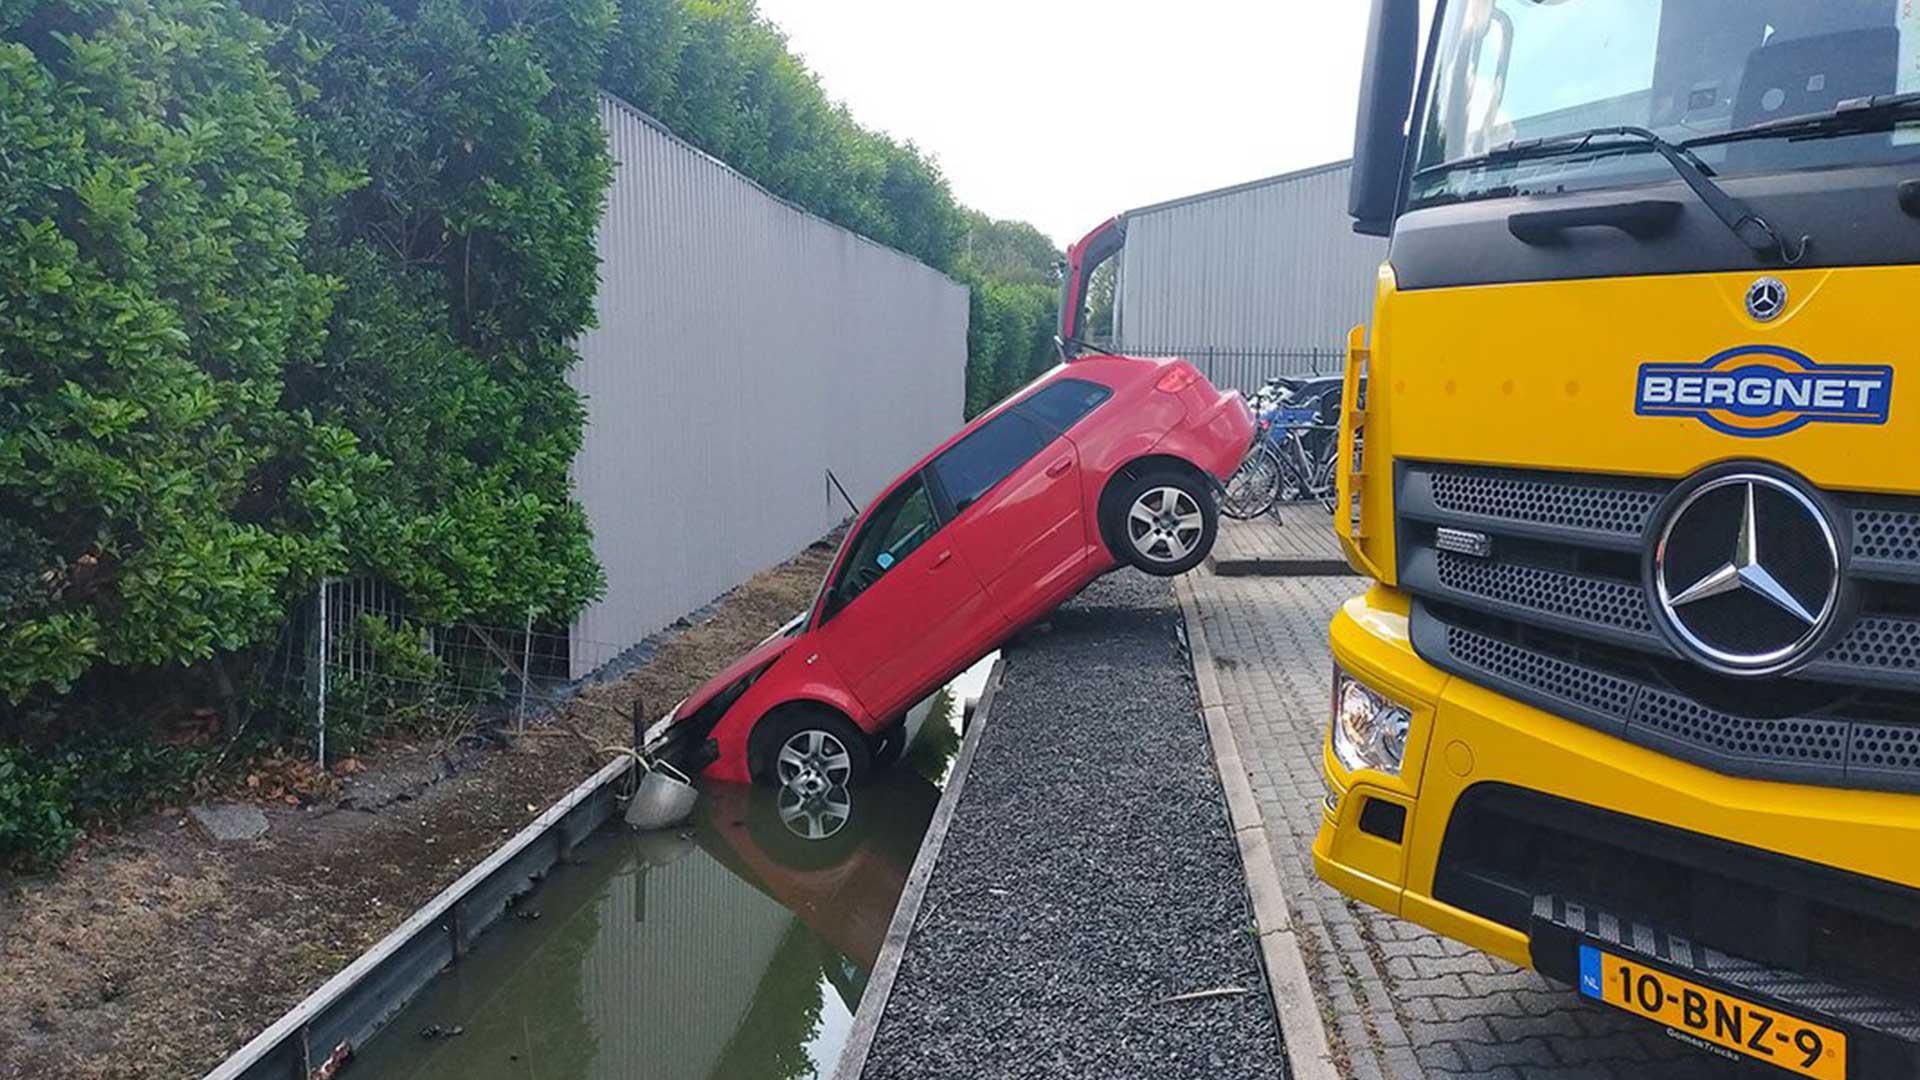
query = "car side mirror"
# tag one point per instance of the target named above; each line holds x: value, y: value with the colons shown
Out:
x: 1380, y: 131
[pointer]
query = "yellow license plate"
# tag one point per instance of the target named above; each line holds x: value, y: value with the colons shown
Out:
x: 1704, y: 1014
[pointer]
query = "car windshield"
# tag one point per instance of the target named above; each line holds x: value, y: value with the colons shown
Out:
x: 1513, y: 70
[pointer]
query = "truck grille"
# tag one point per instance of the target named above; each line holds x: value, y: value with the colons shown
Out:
x: 1558, y: 614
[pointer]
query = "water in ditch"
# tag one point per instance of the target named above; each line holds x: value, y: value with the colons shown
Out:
x: 737, y: 946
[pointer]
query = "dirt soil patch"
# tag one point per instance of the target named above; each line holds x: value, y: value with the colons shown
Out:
x: 156, y: 953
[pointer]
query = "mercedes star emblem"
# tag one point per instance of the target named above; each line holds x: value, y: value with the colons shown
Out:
x: 1766, y: 299
x: 1747, y: 573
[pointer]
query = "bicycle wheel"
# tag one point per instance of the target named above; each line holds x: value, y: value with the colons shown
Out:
x: 1251, y: 490
x: 1326, y: 486
x: 1296, y: 483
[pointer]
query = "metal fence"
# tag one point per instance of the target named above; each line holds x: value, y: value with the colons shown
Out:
x: 744, y: 348
x: 1248, y: 281
x: 369, y: 664
x: 1246, y: 369
x: 1270, y: 265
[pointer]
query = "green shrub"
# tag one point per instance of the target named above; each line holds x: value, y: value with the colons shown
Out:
x: 48, y: 795
x: 36, y: 808
x: 403, y: 686
x: 288, y: 289
x: 721, y: 77
x: 151, y: 291
x: 468, y: 267
x: 1009, y: 338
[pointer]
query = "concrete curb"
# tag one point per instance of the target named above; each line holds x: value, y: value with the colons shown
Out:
x: 1303, y: 1029
x: 873, y: 1001
x: 1279, y: 567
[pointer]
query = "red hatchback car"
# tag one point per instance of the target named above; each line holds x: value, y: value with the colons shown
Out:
x: 1104, y: 461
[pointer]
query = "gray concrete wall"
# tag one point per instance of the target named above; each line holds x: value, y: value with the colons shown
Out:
x: 744, y: 347
x: 1260, y: 279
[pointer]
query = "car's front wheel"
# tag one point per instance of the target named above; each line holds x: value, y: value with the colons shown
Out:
x: 1165, y: 522
x: 809, y: 749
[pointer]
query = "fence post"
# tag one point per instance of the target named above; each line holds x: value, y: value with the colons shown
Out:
x: 526, y: 675
x: 326, y: 650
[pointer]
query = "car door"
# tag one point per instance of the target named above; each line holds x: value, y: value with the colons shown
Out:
x: 1014, y: 487
x: 901, y: 608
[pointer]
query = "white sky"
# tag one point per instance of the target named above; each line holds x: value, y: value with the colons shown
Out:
x: 1065, y: 112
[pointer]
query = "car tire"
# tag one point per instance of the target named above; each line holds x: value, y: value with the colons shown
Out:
x: 810, y: 748
x: 1163, y: 522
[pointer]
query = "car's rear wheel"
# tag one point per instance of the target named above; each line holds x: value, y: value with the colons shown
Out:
x: 1165, y: 522
x: 810, y: 750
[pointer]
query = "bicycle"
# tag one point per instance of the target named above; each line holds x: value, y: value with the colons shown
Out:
x: 1255, y: 486
x: 1306, y: 474
x: 1281, y: 466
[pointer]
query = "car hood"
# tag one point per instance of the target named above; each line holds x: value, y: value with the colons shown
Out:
x: 769, y: 650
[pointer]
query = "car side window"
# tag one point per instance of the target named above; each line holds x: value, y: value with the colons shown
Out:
x: 988, y: 456
x: 1061, y: 404
x: 891, y: 533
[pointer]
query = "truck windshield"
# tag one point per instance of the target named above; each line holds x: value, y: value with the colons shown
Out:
x: 1509, y: 71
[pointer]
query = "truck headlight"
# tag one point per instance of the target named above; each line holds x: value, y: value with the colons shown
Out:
x: 1369, y: 731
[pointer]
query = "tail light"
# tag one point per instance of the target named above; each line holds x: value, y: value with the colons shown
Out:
x: 1177, y: 378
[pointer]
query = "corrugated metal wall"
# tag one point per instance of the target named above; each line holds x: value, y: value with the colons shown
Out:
x: 1250, y: 281
x: 744, y: 347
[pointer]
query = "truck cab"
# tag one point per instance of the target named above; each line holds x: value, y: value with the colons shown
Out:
x: 1633, y: 695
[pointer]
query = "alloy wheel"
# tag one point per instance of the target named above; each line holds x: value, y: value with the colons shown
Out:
x: 813, y: 762
x: 1165, y: 524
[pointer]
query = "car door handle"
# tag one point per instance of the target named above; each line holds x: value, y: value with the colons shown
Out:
x: 1059, y: 468
x: 942, y: 559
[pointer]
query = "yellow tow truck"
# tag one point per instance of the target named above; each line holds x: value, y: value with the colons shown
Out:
x: 1633, y: 697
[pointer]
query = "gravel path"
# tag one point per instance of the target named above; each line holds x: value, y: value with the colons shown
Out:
x: 1089, y: 876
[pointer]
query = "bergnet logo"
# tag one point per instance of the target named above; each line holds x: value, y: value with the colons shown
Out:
x: 1757, y: 391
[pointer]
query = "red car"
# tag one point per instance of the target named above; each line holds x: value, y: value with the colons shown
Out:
x: 1103, y: 461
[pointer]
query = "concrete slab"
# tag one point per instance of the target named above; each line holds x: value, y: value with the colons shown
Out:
x: 231, y: 823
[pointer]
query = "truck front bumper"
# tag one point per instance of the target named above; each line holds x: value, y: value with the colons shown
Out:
x: 1499, y: 804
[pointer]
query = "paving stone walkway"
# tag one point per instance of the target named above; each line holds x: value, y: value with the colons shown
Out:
x: 1400, y: 1002
x: 1295, y: 538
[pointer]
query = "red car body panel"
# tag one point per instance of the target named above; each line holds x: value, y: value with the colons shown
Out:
x: 1030, y: 542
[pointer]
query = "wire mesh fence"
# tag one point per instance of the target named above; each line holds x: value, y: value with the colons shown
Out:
x: 369, y: 664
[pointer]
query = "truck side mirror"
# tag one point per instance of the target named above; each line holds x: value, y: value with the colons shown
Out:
x: 1380, y: 131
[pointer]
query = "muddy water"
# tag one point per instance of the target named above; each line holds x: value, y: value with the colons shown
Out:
x: 735, y: 947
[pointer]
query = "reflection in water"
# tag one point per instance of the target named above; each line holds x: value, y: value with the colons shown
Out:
x: 737, y: 947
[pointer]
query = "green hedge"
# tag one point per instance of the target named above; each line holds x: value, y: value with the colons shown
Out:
x: 1010, y: 268
x: 288, y: 289
x: 154, y: 288
x: 722, y: 78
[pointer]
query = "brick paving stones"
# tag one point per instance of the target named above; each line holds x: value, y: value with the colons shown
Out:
x: 1401, y: 1002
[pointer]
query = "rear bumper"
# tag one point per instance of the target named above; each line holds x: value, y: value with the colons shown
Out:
x: 1215, y: 436
x: 1505, y: 803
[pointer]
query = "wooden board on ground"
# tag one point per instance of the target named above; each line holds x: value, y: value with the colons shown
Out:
x: 1296, y: 540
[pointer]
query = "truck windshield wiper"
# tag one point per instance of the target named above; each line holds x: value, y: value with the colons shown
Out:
x: 1739, y: 218
x: 1851, y: 117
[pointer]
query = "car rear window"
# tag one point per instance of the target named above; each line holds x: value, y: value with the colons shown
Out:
x: 988, y: 456
x: 1060, y: 405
